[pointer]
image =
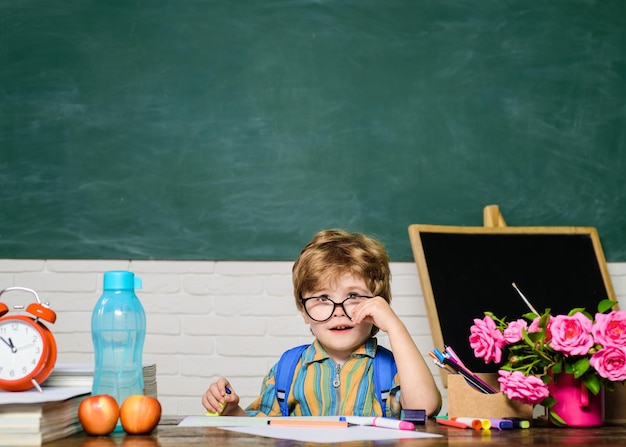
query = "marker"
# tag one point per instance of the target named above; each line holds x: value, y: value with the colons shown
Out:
x: 379, y: 422
x: 457, y: 424
x: 519, y: 422
x: 291, y: 422
x: 501, y: 424
x: 223, y: 404
x: 476, y: 424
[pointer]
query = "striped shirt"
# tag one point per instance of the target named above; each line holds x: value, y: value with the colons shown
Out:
x: 321, y: 387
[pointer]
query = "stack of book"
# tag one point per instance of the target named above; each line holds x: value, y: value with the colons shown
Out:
x: 81, y: 374
x: 30, y: 418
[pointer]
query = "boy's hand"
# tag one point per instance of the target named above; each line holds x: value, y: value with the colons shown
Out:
x: 377, y: 311
x: 220, y: 399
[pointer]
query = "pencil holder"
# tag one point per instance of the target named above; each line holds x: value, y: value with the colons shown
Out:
x: 465, y: 401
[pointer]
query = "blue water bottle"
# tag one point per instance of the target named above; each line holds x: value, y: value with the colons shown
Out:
x: 118, y: 331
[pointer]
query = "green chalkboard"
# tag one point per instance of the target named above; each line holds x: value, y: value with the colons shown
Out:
x: 236, y: 129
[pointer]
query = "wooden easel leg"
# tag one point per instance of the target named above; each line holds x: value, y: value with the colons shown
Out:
x: 492, y: 216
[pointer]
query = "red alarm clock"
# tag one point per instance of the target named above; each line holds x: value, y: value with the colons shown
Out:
x: 28, y: 350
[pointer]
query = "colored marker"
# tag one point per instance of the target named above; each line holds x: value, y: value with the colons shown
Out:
x: 457, y: 424
x: 379, y: 422
x: 223, y: 404
x: 501, y: 424
x: 519, y: 422
x: 476, y: 424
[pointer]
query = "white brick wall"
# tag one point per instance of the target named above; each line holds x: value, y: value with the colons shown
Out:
x: 205, y: 319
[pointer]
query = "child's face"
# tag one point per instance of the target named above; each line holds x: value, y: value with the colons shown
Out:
x: 339, y: 335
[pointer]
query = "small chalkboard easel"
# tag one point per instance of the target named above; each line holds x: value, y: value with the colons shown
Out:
x: 465, y: 271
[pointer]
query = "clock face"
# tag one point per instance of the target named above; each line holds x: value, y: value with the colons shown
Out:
x: 21, y: 349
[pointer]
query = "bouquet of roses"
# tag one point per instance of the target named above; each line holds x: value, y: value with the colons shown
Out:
x: 539, y: 347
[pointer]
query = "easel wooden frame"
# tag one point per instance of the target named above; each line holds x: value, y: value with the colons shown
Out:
x: 494, y: 223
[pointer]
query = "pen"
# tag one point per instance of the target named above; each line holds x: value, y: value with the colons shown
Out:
x: 223, y: 404
x: 457, y: 424
x: 469, y: 377
x: 379, y: 422
x: 454, y: 356
x: 290, y: 422
x: 439, y: 355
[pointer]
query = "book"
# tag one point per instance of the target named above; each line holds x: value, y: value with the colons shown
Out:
x: 81, y: 374
x: 31, y: 418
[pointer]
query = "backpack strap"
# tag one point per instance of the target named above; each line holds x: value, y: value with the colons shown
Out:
x: 285, y: 368
x: 385, y: 370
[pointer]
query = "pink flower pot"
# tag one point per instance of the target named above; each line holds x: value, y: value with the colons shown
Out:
x: 575, y: 404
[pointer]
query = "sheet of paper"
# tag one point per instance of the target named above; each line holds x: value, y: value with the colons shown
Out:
x: 222, y: 421
x: 49, y: 394
x: 333, y: 435
x: 258, y: 426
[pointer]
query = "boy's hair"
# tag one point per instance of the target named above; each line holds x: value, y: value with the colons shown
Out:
x: 331, y: 253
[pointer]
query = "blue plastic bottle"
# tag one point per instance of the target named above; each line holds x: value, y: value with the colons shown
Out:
x: 118, y: 331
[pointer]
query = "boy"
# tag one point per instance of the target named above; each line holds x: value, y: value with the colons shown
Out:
x: 342, y: 289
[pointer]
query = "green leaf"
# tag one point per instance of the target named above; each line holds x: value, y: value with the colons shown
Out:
x: 557, y: 367
x: 545, y: 318
x: 548, y: 402
x: 535, y: 337
x: 576, y: 309
x: 581, y: 367
x: 556, y: 419
x: 530, y: 316
x: 605, y: 305
x: 592, y: 382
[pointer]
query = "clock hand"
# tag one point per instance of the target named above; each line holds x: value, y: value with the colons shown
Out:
x: 9, y: 344
x: 25, y: 346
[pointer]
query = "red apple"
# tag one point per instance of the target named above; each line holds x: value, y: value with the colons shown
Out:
x: 140, y: 414
x: 98, y: 414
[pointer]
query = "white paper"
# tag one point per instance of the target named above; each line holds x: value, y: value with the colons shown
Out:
x: 222, y: 421
x: 258, y: 426
x: 330, y: 435
x: 49, y: 394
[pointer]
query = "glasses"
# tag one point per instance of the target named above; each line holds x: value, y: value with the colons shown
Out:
x: 321, y: 308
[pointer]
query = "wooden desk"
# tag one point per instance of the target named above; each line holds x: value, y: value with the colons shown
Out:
x: 169, y: 435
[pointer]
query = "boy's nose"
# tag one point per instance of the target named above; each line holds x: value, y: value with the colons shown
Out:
x: 338, y: 311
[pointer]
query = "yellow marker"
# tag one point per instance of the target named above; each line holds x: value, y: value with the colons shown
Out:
x: 223, y: 404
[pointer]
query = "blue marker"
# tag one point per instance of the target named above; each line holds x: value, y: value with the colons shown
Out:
x: 439, y: 355
x: 519, y: 422
x: 502, y: 424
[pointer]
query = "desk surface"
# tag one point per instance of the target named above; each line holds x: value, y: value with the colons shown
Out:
x: 169, y: 435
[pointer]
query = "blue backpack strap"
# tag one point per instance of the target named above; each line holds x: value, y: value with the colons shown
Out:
x: 385, y: 370
x: 283, y: 375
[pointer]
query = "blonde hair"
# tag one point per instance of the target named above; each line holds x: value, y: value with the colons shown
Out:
x: 332, y: 253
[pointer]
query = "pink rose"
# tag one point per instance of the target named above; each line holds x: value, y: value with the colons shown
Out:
x: 486, y: 340
x: 610, y: 362
x: 610, y: 329
x: 526, y: 389
x: 571, y: 335
x: 513, y: 332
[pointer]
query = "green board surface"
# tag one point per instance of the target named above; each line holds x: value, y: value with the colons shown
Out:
x: 235, y: 130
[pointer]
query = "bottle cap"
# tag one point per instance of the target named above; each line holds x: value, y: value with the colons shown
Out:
x: 121, y: 280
